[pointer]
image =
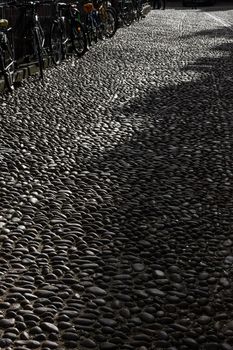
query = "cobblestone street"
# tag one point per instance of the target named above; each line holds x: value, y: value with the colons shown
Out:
x: 116, y: 193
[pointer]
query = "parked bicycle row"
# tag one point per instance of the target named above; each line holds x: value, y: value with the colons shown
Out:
x: 72, y: 31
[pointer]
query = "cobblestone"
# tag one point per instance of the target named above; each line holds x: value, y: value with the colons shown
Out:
x: 116, y: 193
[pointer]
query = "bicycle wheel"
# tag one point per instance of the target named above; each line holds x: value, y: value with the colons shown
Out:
x: 79, y: 39
x: 100, y: 32
x: 128, y: 15
x: 115, y: 14
x: 56, y: 43
x: 137, y: 12
x: 95, y: 34
x: 38, y: 49
x: 7, y: 66
x: 109, y: 22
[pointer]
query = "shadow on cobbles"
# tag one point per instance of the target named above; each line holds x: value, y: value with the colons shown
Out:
x: 168, y: 218
x: 220, y: 32
x: 172, y: 194
x: 217, y: 7
x: 211, y: 8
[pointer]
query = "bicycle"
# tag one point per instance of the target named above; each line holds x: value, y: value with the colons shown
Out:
x: 158, y: 4
x: 108, y: 18
x: 34, y: 33
x: 126, y: 12
x: 7, y: 62
x: 93, y: 26
x: 137, y: 4
x: 60, y: 37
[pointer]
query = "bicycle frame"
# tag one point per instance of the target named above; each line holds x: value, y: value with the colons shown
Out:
x: 91, y: 20
x: 126, y: 11
x: 65, y: 31
x: 32, y: 24
x: 74, y: 16
x: 105, y: 12
x: 7, y: 62
x: 102, y: 8
x: 73, y: 13
x: 91, y: 23
x: 60, y: 18
x: 35, y: 24
x: 4, y: 41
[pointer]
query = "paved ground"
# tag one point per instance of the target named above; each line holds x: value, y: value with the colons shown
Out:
x: 116, y: 208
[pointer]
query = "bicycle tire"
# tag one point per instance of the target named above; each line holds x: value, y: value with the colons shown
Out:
x: 38, y: 50
x: 115, y: 13
x: 111, y: 20
x: 99, y: 29
x: 138, y: 14
x: 79, y: 39
x: 128, y: 16
x: 91, y: 29
x: 56, y: 43
x: 95, y: 34
x: 7, y: 67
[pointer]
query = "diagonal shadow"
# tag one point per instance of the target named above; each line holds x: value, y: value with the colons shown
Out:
x: 170, y: 190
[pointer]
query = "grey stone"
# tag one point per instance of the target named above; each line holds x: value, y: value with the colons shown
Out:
x: 191, y: 343
x: 147, y: 317
x: 97, y: 291
x: 88, y: 343
x: 7, y: 322
x: 49, y: 327
x: 138, y: 267
x: 155, y: 292
x: 107, y: 322
x: 204, y: 319
x: 108, y: 346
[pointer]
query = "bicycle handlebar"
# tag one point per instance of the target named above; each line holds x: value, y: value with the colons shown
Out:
x: 31, y: 3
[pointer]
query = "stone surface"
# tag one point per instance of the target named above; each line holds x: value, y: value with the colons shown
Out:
x: 116, y: 192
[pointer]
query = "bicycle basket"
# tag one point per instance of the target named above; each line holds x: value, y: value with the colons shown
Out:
x: 88, y: 8
x: 3, y: 23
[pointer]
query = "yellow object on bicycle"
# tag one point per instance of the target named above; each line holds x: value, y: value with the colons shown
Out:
x: 3, y: 23
x: 89, y: 7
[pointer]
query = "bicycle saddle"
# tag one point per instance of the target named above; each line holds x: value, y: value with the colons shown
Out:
x: 33, y: 3
x: 3, y: 23
x: 62, y: 4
